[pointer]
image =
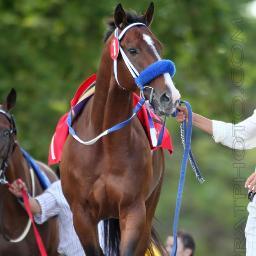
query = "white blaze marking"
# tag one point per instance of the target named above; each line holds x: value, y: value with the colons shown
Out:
x: 175, y: 92
x: 52, y: 148
x: 168, y: 80
x: 150, y: 42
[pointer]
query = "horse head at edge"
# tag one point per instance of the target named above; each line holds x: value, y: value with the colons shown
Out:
x: 7, y: 126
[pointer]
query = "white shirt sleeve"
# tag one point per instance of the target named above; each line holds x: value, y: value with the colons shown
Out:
x: 101, y: 235
x: 48, y: 204
x: 237, y: 136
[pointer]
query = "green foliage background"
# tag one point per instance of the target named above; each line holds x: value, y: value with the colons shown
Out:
x: 47, y: 47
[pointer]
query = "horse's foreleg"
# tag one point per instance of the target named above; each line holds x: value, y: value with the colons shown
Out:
x: 87, y: 232
x: 133, y: 227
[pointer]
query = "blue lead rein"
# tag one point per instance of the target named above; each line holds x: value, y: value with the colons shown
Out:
x: 114, y: 128
x: 43, y: 179
x: 186, y: 134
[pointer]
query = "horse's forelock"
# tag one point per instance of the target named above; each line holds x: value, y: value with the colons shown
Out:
x: 132, y: 17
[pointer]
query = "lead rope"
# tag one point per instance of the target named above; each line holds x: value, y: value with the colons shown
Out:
x: 39, y: 241
x: 114, y: 128
x: 186, y: 134
x: 38, y: 238
x: 192, y: 160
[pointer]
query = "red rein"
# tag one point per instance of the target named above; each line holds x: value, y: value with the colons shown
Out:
x: 39, y: 241
x: 36, y: 233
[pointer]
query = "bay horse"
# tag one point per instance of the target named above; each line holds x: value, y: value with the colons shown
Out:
x: 118, y: 177
x: 16, y: 233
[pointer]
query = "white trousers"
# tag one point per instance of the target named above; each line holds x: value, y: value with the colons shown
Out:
x: 250, y: 229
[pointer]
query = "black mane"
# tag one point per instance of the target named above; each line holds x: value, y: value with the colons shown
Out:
x: 132, y: 17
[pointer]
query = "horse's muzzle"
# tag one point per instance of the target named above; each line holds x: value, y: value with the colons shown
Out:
x: 163, y: 105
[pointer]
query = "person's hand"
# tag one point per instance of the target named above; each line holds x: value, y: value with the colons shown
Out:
x: 251, y: 183
x: 17, y: 186
x: 169, y: 244
x: 182, y: 114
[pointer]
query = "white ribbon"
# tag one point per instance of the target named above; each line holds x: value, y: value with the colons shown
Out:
x: 127, y: 62
x: 27, y: 228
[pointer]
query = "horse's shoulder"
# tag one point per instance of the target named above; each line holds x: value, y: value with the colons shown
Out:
x: 139, y: 131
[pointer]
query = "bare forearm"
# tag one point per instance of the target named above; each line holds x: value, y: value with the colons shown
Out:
x: 34, y: 206
x: 202, y: 123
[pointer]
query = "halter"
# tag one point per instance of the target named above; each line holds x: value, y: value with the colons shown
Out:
x: 29, y: 222
x: 147, y: 75
x: 3, y: 181
x: 117, y: 47
x: 7, y: 133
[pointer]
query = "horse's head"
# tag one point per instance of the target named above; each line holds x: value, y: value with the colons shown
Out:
x: 133, y: 48
x: 7, y: 129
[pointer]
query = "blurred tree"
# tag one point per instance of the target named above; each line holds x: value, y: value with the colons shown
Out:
x: 49, y: 46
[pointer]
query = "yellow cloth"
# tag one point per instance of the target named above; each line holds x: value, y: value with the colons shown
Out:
x: 155, y: 250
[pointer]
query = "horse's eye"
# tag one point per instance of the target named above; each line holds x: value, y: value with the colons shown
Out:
x: 6, y: 133
x: 133, y: 51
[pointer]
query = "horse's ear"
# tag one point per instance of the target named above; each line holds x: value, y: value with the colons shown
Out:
x: 148, y: 16
x: 10, y: 100
x: 120, y: 17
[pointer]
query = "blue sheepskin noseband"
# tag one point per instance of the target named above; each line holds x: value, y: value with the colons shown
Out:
x: 154, y: 70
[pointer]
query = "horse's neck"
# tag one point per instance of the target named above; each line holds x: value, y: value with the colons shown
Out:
x: 12, y: 217
x: 18, y: 167
x: 117, y: 107
x: 111, y: 104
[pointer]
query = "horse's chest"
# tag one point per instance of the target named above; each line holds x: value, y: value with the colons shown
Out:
x: 113, y: 155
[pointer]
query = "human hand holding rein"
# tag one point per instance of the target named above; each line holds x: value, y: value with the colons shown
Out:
x: 16, y: 189
x: 199, y: 121
x: 182, y: 114
x: 251, y: 182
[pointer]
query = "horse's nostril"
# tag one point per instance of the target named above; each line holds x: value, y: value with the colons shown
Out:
x: 165, y: 98
x: 177, y: 103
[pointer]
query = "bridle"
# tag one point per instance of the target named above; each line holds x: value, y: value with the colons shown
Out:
x: 10, y: 134
x: 116, y: 46
x: 115, y: 49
